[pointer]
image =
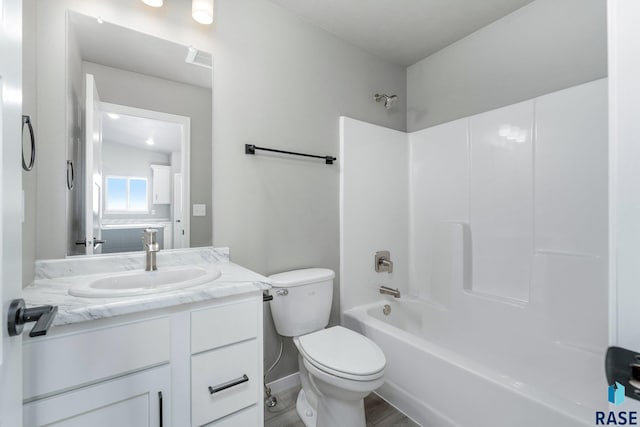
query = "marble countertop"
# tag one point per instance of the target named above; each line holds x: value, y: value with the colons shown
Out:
x: 55, y: 277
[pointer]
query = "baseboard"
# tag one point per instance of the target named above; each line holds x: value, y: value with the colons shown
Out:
x: 284, y: 383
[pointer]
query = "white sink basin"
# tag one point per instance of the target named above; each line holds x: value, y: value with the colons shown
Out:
x: 133, y: 283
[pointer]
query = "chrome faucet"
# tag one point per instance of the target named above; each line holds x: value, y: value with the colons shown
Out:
x: 151, y: 247
x: 385, y: 290
x: 383, y: 262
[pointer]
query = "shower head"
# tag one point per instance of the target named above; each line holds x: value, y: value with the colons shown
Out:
x: 389, y: 100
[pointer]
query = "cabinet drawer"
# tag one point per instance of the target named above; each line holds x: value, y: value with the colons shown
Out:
x: 247, y: 417
x: 223, y: 325
x: 219, y: 367
x: 50, y: 365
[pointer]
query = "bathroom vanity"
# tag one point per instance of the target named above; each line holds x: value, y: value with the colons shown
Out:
x: 192, y: 356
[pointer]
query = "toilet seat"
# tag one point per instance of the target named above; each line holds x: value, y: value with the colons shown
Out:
x: 343, y: 353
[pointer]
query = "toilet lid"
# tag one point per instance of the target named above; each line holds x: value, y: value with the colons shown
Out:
x: 343, y: 350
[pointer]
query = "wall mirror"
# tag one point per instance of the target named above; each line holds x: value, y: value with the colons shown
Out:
x: 140, y: 110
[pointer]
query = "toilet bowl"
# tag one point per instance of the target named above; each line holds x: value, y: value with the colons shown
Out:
x: 343, y: 367
x: 338, y: 367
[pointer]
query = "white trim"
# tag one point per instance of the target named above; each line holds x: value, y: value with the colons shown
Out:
x: 125, y: 110
x: 11, y: 194
x: 186, y: 182
x: 613, y: 167
x: 284, y: 383
x: 185, y: 146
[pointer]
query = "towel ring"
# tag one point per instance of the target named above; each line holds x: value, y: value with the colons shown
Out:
x: 26, y: 120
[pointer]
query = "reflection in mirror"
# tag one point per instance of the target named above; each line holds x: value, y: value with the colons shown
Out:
x: 142, y: 178
x: 141, y: 110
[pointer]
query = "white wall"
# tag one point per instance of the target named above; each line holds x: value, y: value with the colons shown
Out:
x: 543, y: 47
x: 282, y: 83
x: 374, y: 201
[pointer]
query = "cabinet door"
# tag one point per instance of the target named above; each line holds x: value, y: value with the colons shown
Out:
x: 134, y: 400
x: 161, y: 185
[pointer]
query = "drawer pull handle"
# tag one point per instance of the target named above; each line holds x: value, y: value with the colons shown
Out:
x: 232, y: 383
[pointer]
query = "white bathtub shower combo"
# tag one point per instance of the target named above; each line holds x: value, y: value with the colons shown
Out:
x: 497, y: 225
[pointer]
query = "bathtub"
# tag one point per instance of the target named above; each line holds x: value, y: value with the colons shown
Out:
x: 444, y: 377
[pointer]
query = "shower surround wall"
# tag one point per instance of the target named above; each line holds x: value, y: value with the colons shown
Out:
x: 374, y: 203
x: 506, y: 224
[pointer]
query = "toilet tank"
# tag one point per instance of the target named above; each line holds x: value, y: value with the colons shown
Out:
x: 301, y: 300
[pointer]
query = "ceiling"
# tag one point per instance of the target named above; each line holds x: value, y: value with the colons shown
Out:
x: 119, y: 47
x: 401, y: 31
x: 134, y: 131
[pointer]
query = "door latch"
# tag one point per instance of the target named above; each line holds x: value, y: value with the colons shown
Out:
x: 19, y: 314
x: 623, y: 366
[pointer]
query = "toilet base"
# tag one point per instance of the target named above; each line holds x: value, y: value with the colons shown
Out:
x: 340, y: 413
x: 306, y: 413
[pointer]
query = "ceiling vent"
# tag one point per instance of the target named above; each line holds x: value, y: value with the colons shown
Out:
x: 198, y: 57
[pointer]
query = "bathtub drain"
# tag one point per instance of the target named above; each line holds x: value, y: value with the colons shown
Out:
x: 386, y: 310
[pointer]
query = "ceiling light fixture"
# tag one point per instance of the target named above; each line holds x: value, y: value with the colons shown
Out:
x: 150, y: 141
x: 113, y: 116
x: 202, y: 11
x: 153, y: 3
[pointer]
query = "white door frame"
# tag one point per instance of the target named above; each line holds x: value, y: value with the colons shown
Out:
x: 185, y: 147
x: 178, y: 237
x: 624, y: 172
x: 11, y: 213
x: 93, y: 186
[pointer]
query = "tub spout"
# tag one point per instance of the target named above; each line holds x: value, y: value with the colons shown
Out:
x: 385, y: 290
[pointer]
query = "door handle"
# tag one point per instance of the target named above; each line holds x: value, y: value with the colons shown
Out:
x: 26, y: 120
x: 70, y: 175
x: 19, y: 314
x: 160, y: 408
x: 623, y: 367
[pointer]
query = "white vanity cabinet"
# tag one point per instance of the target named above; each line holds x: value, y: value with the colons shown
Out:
x: 161, y: 194
x: 188, y: 365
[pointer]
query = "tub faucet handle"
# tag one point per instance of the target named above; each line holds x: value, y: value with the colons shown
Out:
x: 383, y: 262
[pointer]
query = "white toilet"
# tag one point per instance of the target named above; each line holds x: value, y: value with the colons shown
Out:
x: 338, y: 367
